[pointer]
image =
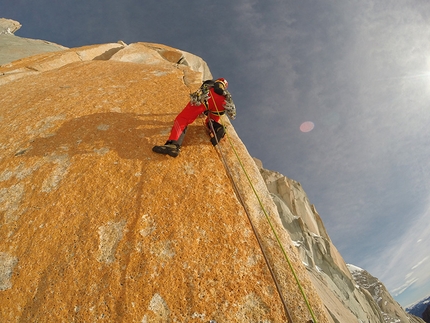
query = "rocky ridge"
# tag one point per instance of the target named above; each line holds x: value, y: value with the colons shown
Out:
x: 426, y: 314
x: 14, y: 47
x: 390, y: 310
x: 347, y: 297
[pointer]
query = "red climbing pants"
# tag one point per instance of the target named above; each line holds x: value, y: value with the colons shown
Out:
x: 191, y: 112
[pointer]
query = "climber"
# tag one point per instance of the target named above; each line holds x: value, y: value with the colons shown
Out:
x: 211, y: 99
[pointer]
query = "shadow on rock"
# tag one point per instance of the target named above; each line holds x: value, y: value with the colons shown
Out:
x: 126, y: 133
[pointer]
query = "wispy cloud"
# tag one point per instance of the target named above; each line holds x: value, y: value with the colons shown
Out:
x: 420, y: 263
x: 408, y: 283
x: 406, y: 262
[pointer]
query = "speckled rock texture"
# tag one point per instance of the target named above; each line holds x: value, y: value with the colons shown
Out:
x: 95, y: 227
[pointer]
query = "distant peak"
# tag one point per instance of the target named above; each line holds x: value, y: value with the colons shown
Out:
x: 353, y: 268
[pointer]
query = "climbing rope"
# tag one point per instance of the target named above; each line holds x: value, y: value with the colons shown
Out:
x: 268, y: 220
x: 278, y: 288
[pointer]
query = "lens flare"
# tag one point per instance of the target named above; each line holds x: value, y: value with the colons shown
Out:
x: 307, y: 126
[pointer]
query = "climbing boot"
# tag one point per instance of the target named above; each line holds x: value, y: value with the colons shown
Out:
x: 219, y: 133
x: 167, y: 149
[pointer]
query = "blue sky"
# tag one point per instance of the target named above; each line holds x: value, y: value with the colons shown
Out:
x: 358, y: 69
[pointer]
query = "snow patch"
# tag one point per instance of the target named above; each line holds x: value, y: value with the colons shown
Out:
x: 354, y: 269
x: 297, y: 243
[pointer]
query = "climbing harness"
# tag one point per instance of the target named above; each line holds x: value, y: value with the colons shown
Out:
x: 314, y: 320
x: 202, y: 95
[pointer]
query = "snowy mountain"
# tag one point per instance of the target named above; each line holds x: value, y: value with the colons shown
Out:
x: 389, y: 309
x: 418, y: 308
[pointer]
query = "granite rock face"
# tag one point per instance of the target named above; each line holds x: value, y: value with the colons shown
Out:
x: 347, y: 297
x: 8, y: 26
x: 94, y: 226
x: 13, y: 47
